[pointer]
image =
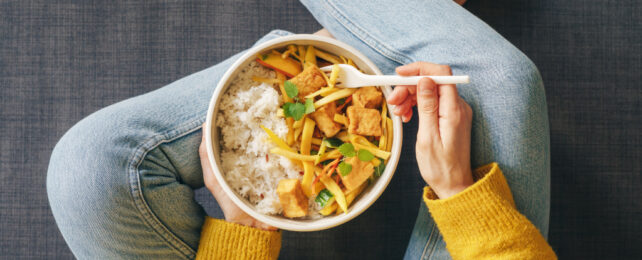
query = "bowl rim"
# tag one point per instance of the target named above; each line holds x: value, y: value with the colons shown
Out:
x: 281, y: 222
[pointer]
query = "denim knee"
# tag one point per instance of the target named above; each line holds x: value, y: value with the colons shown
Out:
x: 87, y: 186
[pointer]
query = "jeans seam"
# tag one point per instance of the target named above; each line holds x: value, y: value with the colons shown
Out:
x: 145, y: 211
x: 362, y: 35
x: 430, y: 235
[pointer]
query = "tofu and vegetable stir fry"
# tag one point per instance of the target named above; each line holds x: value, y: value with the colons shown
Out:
x: 340, y: 136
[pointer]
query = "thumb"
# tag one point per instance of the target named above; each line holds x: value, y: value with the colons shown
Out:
x: 428, y: 107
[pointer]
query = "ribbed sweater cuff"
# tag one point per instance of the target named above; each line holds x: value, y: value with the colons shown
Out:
x: 224, y: 240
x: 478, y: 211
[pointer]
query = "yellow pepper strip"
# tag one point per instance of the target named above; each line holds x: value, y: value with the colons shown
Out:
x: 281, y: 78
x: 322, y: 149
x: 323, y: 92
x: 354, y: 138
x: 301, y: 55
x: 343, y: 59
x: 299, y: 124
x: 343, y: 136
x: 341, y: 119
x: 334, y: 96
x: 293, y: 155
x: 332, y: 186
x: 306, y: 136
x: 325, y: 77
x: 290, y: 51
x: 317, y: 141
x: 290, y: 136
x: 390, y: 137
x: 265, y: 80
x: 375, y: 162
x: 379, y: 153
x: 334, y: 75
x: 334, y: 154
x: 310, y: 57
x: 383, y: 139
x: 329, y: 208
x: 308, y: 177
x: 327, y: 56
x: 351, y: 195
x: 351, y: 63
x: 276, y: 140
x: 297, y: 133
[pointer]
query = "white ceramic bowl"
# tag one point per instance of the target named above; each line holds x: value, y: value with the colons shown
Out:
x: 211, y: 133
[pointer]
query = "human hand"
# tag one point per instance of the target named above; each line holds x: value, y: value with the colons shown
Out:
x: 443, y: 137
x: 232, y: 213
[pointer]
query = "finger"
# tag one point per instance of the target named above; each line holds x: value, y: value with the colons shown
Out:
x: 403, y: 108
x: 448, y: 100
x: 208, y: 175
x: 420, y: 68
x: 399, y: 94
x: 406, y: 117
x: 428, y: 107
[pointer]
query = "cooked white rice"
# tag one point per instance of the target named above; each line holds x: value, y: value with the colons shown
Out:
x: 244, y: 145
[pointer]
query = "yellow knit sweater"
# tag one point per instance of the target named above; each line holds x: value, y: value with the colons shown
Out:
x: 480, y: 222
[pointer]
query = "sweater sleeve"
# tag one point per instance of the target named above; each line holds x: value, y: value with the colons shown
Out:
x: 482, y: 222
x: 224, y: 240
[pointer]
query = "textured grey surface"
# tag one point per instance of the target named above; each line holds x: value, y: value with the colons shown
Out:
x: 62, y: 60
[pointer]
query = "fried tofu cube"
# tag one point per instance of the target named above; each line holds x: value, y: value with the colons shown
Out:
x: 324, y: 117
x: 364, y: 121
x: 368, y: 97
x: 361, y: 171
x: 293, y: 200
x: 309, y: 81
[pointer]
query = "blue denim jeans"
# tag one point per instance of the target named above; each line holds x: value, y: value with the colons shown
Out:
x: 121, y: 181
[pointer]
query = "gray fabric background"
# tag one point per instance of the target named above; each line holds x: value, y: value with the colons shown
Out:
x: 62, y: 60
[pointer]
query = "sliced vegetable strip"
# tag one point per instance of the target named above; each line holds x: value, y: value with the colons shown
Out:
x: 379, y: 153
x: 341, y: 119
x: 329, y: 208
x: 336, y: 191
x: 322, y: 92
x: 351, y: 195
x: 308, y: 168
x: 281, y: 78
x: 276, y: 140
x: 293, y: 155
x: 390, y: 136
x: 322, y: 149
x: 334, y: 75
x: 310, y: 57
x: 327, y: 56
x: 308, y: 176
x: 265, y: 80
x: 335, y: 96
x: 316, y: 141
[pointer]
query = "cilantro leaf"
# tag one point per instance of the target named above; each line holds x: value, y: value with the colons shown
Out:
x: 341, y: 101
x: 296, y: 110
x: 344, y: 168
x: 323, y: 197
x: 309, y: 106
x: 347, y: 149
x: 333, y: 142
x: 290, y: 89
x: 365, y: 155
x: 379, y: 169
x: 286, y: 109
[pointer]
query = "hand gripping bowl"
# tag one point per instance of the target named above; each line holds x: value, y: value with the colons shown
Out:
x: 211, y: 132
